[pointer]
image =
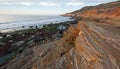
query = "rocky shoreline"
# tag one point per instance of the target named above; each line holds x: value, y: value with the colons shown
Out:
x: 13, y: 43
x: 91, y: 42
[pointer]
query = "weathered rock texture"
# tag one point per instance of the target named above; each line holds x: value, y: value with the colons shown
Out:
x: 90, y: 44
x: 98, y: 46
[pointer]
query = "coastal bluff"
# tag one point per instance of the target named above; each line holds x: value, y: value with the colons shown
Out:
x: 92, y: 43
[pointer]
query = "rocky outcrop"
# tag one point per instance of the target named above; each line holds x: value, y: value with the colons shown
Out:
x: 98, y: 46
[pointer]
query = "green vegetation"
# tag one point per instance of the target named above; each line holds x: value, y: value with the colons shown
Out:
x: 50, y: 29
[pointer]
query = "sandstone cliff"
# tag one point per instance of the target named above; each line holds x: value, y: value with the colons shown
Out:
x: 108, y: 10
x: 92, y: 43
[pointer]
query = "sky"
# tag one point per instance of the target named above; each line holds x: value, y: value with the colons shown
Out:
x: 45, y: 7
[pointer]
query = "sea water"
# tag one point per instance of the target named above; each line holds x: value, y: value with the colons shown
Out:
x: 17, y: 22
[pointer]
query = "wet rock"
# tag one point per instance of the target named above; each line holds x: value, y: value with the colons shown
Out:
x: 23, y: 34
x: 2, y: 44
x: 30, y: 42
x: 20, y: 50
x: 33, y: 36
x: 6, y: 58
x: 61, y: 27
x: 10, y: 41
x: 9, y: 36
x: 40, y: 39
x: 18, y: 44
x: 1, y: 37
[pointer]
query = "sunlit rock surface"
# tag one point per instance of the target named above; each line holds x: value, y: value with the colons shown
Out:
x: 98, y: 45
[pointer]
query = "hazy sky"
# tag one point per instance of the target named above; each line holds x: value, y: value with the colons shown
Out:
x: 44, y: 7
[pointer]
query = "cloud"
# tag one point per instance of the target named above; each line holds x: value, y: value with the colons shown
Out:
x: 52, y: 3
x: 75, y: 4
x: 8, y: 3
x: 48, y: 4
x: 86, y: 1
x: 17, y: 3
x: 27, y: 3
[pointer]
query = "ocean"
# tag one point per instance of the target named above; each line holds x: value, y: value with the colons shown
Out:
x: 16, y: 22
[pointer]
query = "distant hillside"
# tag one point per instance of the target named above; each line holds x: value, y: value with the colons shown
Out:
x: 106, y: 10
x: 101, y: 6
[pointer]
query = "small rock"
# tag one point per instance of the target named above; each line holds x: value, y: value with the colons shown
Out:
x: 9, y: 36
x: 30, y: 42
x: 23, y: 34
x: 61, y: 27
x: 18, y: 44
x: 20, y: 50
x: 10, y: 41
x: 1, y: 37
